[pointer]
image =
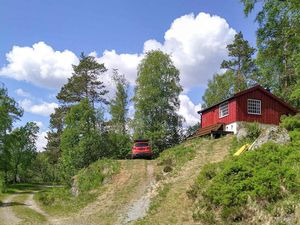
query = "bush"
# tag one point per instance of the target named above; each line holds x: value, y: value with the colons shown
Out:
x: 291, y: 122
x: 266, y: 176
x: 2, y: 182
x: 94, y: 175
x: 253, y: 130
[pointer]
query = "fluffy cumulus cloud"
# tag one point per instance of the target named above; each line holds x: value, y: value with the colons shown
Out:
x: 196, y: 43
x: 39, y: 64
x: 39, y: 124
x: 20, y: 92
x: 43, y: 109
x: 41, y: 141
x: 188, y: 110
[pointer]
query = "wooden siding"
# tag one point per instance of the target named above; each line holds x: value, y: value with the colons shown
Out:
x: 271, y: 110
x: 211, y: 116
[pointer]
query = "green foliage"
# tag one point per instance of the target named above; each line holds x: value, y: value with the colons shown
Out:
x: 219, y: 88
x: 21, y: 151
x: 60, y: 201
x: 118, y: 106
x: 9, y: 111
x: 253, y: 130
x: 85, y: 83
x: 2, y: 182
x: 241, y: 73
x: 267, y: 175
x: 241, y: 62
x: 89, y: 182
x: 80, y: 141
x: 291, y: 122
x: 119, y: 145
x: 94, y: 175
x: 177, y: 156
x: 278, y: 42
x: 157, y: 101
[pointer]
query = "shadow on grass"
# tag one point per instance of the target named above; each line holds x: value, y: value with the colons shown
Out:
x: 9, y: 204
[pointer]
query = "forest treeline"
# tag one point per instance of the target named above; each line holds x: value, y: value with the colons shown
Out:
x: 79, y: 134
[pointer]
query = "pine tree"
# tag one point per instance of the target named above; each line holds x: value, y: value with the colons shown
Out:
x: 219, y: 88
x: 85, y: 83
x: 241, y: 62
x: 278, y: 42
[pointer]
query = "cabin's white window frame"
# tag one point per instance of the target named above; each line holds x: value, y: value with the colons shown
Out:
x: 223, y: 109
x: 254, y: 106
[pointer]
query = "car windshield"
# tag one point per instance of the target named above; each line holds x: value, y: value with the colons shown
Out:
x: 141, y: 144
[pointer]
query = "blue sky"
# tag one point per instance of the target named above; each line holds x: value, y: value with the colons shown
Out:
x: 51, y: 34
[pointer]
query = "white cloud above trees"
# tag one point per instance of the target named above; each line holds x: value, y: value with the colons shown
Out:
x: 188, y: 110
x: 42, y: 109
x: 196, y: 43
x: 40, y: 65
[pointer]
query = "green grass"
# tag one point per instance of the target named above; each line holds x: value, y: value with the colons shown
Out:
x: 90, y: 180
x: 26, y: 214
x: 174, y: 158
x: 158, y: 200
x: 268, y: 176
x: 60, y: 201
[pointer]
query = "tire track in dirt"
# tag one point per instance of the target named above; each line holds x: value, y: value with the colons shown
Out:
x: 120, y: 194
x: 138, y: 208
x: 7, y: 216
x: 176, y: 207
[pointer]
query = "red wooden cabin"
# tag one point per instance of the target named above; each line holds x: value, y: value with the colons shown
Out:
x: 255, y: 104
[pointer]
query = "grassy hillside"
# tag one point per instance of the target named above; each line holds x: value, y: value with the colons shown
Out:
x: 261, y: 186
x: 89, y: 184
x: 177, y: 169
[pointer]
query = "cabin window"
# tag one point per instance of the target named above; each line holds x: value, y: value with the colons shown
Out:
x: 223, y: 110
x: 254, y: 106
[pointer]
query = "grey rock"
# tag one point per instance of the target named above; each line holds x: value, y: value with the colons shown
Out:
x: 276, y: 134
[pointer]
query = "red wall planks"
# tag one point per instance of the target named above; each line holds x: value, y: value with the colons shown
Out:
x: 271, y: 110
x: 212, y: 116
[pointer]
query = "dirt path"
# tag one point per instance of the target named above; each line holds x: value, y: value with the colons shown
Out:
x: 30, y: 203
x: 127, y: 197
x: 7, y: 217
x: 138, y: 207
x: 176, y: 207
x: 123, y: 195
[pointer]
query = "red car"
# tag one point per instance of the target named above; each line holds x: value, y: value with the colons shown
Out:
x: 141, y: 149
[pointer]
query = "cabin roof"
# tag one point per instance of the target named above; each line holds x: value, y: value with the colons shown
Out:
x: 256, y: 87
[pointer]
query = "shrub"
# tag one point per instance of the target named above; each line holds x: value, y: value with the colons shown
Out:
x: 253, y: 130
x: 266, y: 175
x: 94, y: 175
x: 291, y: 122
x: 2, y: 182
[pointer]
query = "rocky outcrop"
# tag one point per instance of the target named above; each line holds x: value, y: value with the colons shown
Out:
x: 74, y: 188
x: 276, y: 134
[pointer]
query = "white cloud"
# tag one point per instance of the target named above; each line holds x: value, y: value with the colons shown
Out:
x: 196, y: 43
x: 39, y: 124
x: 43, y: 109
x: 20, y: 92
x: 41, y: 141
x: 40, y: 65
x: 188, y: 110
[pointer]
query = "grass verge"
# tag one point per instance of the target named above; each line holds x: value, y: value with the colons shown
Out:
x: 89, y: 183
x: 26, y: 214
